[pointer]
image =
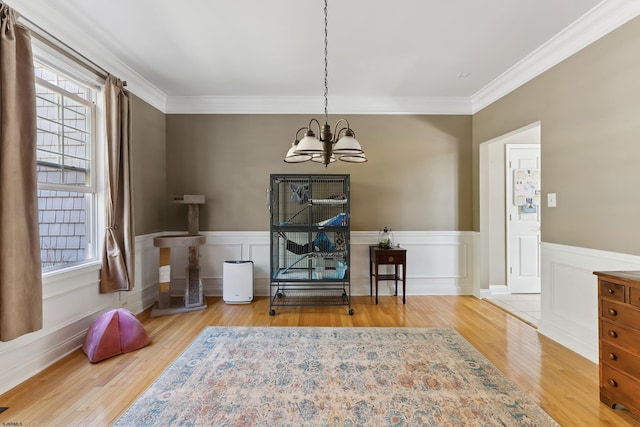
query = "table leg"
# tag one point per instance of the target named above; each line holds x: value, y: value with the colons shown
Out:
x: 370, y: 276
x: 395, y: 274
x: 404, y: 283
x: 376, y: 284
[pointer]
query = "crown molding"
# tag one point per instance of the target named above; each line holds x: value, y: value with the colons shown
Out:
x: 314, y: 105
x: 599, y: 21
x: 602, y: 19
x: 48, y: 18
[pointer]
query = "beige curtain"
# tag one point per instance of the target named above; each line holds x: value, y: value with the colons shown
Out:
x: 20, y: 269
x: 118, y: 258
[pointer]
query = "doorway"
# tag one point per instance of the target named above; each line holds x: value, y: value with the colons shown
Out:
x: 493, y: 278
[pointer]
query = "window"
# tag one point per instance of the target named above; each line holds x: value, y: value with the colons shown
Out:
x: 67, y: 190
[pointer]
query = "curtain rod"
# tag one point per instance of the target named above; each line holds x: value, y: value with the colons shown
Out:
x: 52, y: 41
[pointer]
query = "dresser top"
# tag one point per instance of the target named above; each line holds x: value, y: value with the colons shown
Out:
x: 628, y: 275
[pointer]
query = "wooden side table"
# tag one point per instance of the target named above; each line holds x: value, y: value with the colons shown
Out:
x: 395, y: 256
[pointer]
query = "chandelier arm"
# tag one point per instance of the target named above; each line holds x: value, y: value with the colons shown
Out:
x: 343, y: 129
x: 301, y: 129
x: 337, y: 132
x: 317, y: 123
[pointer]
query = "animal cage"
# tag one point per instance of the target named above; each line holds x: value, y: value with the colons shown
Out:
x: 309, y: 240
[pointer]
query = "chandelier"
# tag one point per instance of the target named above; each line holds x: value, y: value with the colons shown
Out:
x: 341, y: 144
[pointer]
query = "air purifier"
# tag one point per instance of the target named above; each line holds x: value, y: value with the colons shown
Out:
x: 237, y: 282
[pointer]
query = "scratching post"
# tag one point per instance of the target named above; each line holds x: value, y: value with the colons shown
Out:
x: 164, y: 299
x: 193, y: 298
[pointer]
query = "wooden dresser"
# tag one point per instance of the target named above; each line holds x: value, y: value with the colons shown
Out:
x: 619, y: 326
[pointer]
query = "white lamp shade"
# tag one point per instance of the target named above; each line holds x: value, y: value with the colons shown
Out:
x: 292, y: 157
x: 355, y: 158
x: 309, y: 145
x: 347, y: 145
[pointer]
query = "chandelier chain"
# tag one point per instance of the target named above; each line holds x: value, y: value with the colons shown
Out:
x: 326, y: 148
x: 326, y: 64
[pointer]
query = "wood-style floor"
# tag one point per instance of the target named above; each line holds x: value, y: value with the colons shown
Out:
x: 74, y: 392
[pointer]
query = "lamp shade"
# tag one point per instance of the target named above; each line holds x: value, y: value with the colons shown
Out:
x: 292, y: 157
x: 354, y: 158
x: 347, y: 145
x: 309, y: 145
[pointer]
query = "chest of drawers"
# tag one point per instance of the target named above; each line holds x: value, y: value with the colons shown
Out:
x: 619, y: 338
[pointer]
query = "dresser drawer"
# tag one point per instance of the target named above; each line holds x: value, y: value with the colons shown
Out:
x: 620, y: 388
x: 620, y: 359
x: 626, y: 338
x: 622, y: 313
x: 634, y: 296
x: 613, y: 291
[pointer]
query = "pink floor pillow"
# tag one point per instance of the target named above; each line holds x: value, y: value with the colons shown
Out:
x: 114, y: 332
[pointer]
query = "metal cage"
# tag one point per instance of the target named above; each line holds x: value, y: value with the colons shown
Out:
x: 310, y: 234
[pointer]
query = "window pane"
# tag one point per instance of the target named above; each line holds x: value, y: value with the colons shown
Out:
x: 75, y: 177
x: 64, y: 231
x: 49, y: 172
x: 64, y: 137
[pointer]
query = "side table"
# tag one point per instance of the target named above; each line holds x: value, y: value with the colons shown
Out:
x: 395, y: 256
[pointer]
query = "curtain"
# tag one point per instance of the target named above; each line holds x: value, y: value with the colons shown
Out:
x: 117, y: 272
x: 20, y: 268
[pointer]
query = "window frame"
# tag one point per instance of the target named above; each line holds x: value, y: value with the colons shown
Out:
x: 95, y: 214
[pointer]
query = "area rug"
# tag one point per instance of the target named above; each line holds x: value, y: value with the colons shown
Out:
x: 295, y: 376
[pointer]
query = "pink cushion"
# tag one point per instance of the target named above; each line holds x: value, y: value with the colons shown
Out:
x: 114, y: 332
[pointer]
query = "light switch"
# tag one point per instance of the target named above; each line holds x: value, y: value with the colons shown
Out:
x: 551, y: 200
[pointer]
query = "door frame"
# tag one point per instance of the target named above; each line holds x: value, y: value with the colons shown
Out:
x: 486, y: 260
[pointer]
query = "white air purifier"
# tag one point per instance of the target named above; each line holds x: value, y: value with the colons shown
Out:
x: 237, y: 282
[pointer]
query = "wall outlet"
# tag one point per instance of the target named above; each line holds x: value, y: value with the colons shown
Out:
x: 551, y: 200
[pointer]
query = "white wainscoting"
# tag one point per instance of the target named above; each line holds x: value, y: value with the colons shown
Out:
x: 71, y: 302
x: 569, y: 311
x: 438, y: 263
x: 145, y: 291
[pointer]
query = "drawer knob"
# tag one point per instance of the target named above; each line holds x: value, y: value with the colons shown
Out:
x: 611, y: 291
x: 613, y: 383
x: 613, y: 312
x: 613, y: 334
x: 613, y: 356
x: 390, y: 259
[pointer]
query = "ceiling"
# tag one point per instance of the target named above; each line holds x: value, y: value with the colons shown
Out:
x: 397, y: 56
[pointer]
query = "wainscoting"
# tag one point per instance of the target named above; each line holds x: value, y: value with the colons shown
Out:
x: 438, y: 263
x: 71, y: 302
x: 569, y: 305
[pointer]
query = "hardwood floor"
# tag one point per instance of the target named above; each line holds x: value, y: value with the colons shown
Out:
x: 74, y: 392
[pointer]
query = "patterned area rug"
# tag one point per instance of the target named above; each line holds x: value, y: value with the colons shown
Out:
x: 242, y: 376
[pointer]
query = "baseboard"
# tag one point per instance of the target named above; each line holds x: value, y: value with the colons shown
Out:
x: 498, y: 290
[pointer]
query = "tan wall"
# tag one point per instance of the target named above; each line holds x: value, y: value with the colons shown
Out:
x: 148, y: 154
x: 418, y: 176
x: 589, y: 108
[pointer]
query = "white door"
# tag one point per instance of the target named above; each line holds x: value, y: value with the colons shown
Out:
x: 523, y: 217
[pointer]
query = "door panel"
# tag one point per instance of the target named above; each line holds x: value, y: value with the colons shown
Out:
x: 523, y: 218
